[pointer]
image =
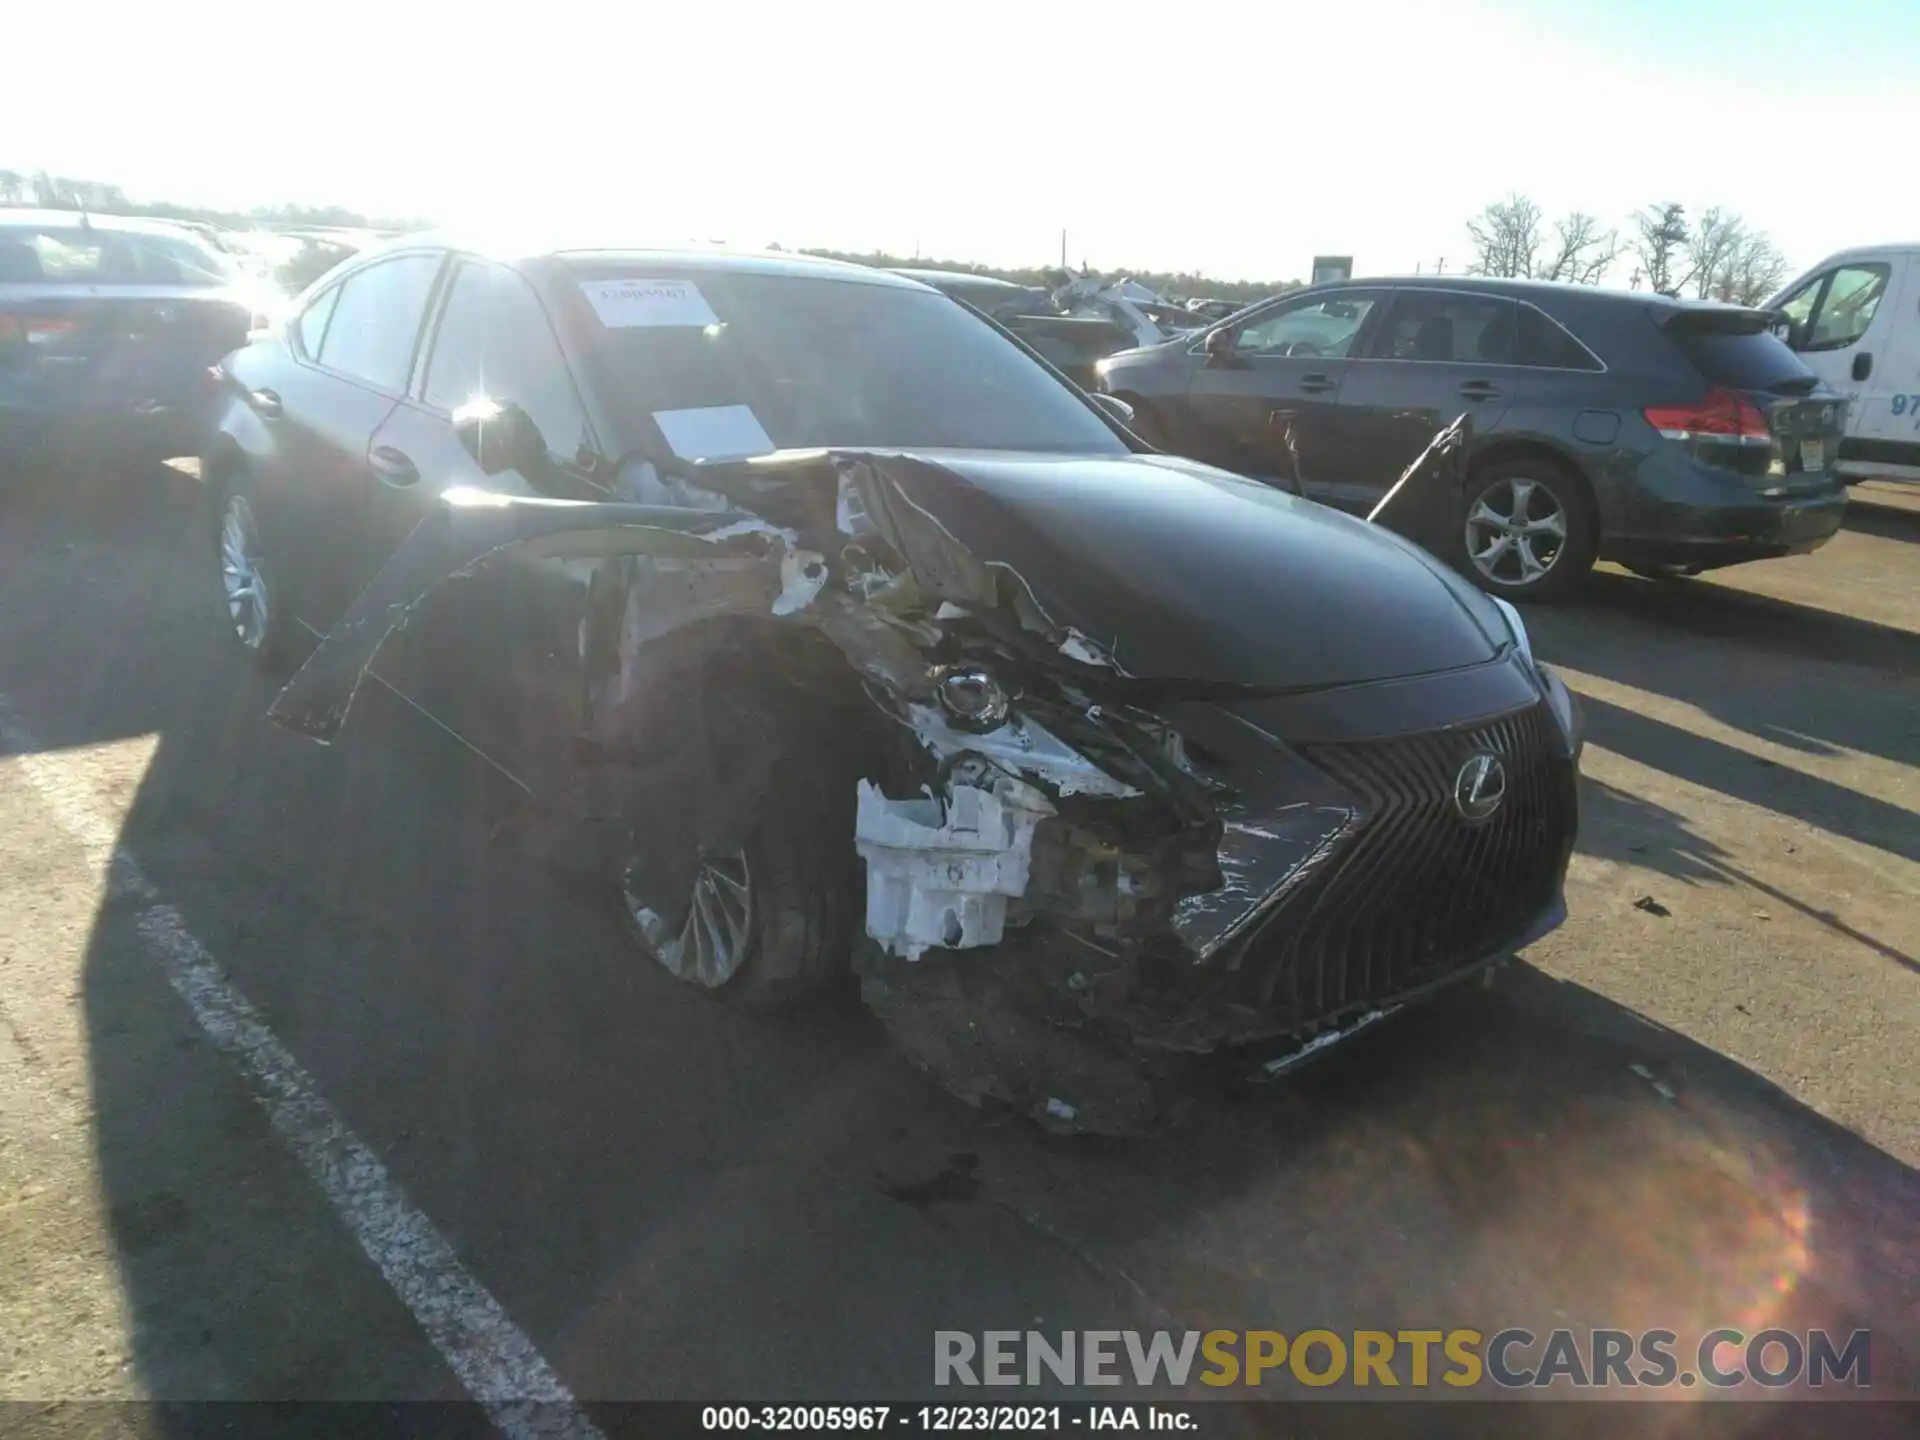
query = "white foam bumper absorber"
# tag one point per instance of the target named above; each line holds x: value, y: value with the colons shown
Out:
x: 940, y: 872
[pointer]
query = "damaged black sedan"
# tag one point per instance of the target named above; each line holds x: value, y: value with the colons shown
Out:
x: 836, y: 635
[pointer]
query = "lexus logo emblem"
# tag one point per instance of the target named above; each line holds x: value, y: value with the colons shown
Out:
x: 1480, y: 787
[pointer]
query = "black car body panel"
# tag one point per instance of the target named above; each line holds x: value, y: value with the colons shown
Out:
x: 1565, y: 373
x: 1239, y: 739
x: 1185, y: 572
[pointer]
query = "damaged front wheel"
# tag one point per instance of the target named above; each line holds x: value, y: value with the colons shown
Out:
x: 771, y: 923
x: 709, y: 944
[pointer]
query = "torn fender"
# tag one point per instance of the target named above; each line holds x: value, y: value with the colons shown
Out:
x: 469, y: 529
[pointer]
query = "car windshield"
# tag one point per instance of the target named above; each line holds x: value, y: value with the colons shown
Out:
x: 828, y: 362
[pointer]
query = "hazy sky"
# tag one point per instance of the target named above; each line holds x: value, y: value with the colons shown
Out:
x: 1235, y: 139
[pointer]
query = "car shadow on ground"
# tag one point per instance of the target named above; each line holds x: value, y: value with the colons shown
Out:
x: 1755, y: 779
x: 674, y: 1197
x: 1881, y: 516
x: 1720, y: 612
x: 1619, y: 826
x: 1768, y: 671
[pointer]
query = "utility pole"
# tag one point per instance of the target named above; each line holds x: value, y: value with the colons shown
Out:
x: 1440, y: 266
x: 1063, y: 248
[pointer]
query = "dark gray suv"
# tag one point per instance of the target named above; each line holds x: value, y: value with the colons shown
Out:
x: 1672, y: 436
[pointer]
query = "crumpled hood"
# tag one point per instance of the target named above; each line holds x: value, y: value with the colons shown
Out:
x: 1185, y: 572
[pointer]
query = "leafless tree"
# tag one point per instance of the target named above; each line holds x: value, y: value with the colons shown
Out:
x: 1509, y: 242
x: 1582, y: 253
x: 1753, y: 272
x: 1660, y: 243
x: 1710, y: 250
x: 1506, y: 238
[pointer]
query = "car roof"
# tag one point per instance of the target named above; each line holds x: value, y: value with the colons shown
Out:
x: 938, y: 278
x: 599, y: 252
x: 1538, y: 291
x: 13, y: 219
x: 1868, y: 252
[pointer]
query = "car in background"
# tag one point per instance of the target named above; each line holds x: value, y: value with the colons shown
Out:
x: 301, y: 256
x: 1212, y: 310
x: 108, y: 327
x: 1671, y: 436
x: 1071, y: 343
x: 1854, y: 320
x: 835, y: 635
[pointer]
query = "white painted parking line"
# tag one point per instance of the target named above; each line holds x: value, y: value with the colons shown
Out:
x: 492, y: 1357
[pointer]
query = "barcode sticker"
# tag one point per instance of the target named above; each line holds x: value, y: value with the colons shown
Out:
x: 644, y: 304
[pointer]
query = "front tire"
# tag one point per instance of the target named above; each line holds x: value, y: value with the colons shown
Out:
x: 1528, y: 531
x: 772, y: 923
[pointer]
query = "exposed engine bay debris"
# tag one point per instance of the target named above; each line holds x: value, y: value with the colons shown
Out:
x: 1103, y: 819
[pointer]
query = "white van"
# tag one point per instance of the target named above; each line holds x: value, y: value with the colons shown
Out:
x: 1855, y: 322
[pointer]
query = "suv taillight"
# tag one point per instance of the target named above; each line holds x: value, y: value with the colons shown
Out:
x: 37, y: 329
x: 1720, y: 415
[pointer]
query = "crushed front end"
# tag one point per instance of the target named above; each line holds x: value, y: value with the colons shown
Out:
x: 1079, y: 872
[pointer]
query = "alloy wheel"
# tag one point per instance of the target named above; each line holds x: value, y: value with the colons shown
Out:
x: 1516, y: 531
x: 242, y: 579
x: 709, y: 944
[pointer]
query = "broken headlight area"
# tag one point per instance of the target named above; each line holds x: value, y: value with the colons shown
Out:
x: 1062, y: 877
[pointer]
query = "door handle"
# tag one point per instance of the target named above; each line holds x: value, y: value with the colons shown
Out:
x: 393, y: 467
x: 1317, y: 384
x: 1863, y: 365
x: 1481, y: 390
x: 266, y: 404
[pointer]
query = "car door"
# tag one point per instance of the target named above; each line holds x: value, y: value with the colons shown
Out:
x: 1439, y: 354
x: 495, y: 657
x: 330, y: 403
x: 1282, y: 374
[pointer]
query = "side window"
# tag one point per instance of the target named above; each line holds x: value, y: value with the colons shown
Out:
x: 494, y: 340
x: 1847, y: 308
x: 1798, y: 307
x: 1545, y: 343
x: 1448, y: 327
x: 311, y: 327
x: 377, y: 319
x: 1326, y: 327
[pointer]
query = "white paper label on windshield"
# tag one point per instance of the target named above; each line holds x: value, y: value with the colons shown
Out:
x: 645, y: 304
x: 715, y: 432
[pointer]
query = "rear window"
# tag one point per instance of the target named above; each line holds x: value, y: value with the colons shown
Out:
x: 84, y: 256
x: 824, y: 362
x: 1755, y: 361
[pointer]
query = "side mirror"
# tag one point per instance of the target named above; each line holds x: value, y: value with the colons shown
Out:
x: 1116, y: 408
x: 500, y: 436
x: 1220, y: 344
